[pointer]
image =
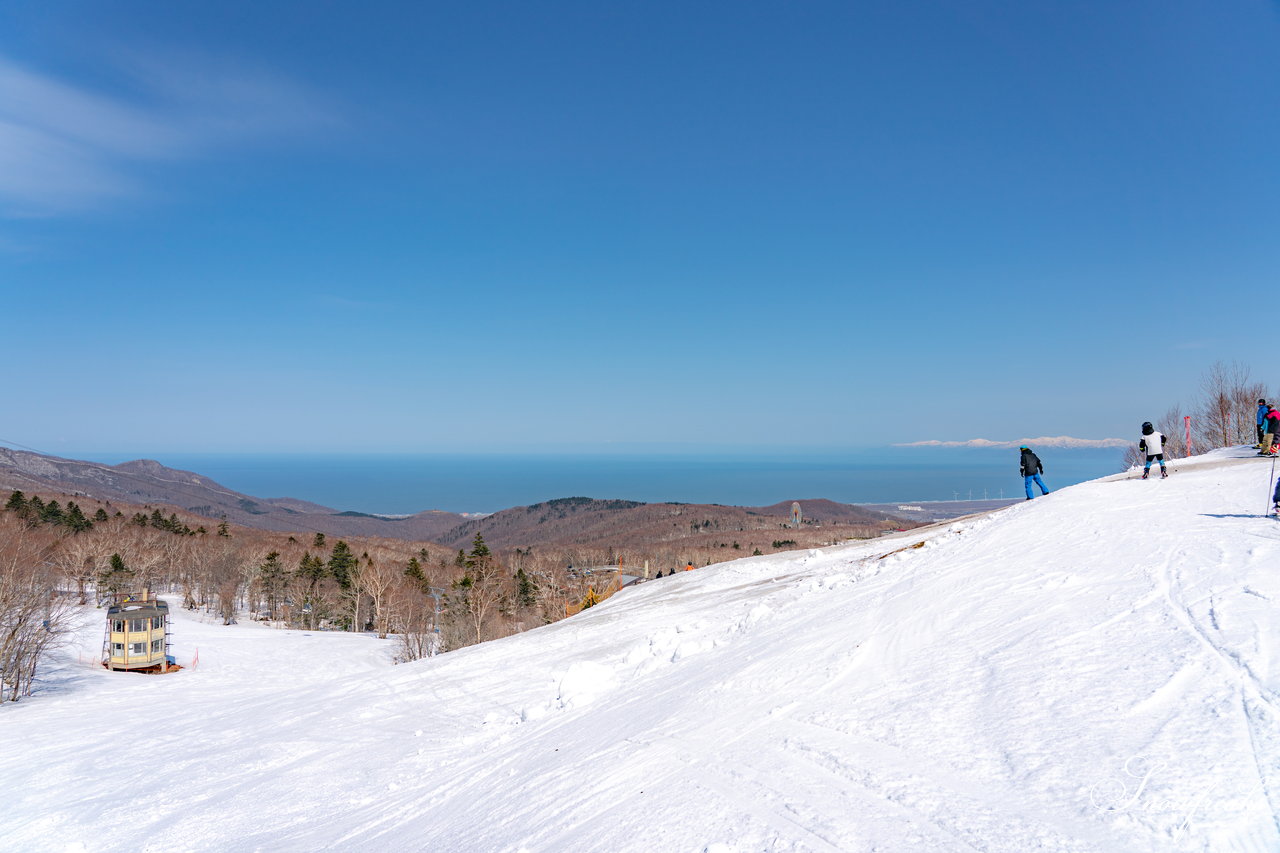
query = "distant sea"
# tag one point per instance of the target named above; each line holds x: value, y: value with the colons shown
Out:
x: 405, y: 484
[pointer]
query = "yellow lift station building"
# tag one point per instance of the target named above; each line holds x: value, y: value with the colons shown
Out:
x: 138, y: 636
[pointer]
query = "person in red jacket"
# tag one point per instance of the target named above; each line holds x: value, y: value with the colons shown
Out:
x: 1270, y: 429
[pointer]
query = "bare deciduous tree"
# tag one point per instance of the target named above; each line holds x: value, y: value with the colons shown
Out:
x: 33, y: 615
x: 1171, y: 424
x: 77, y: 558
x: 414, y: 620
x: 377, y: 580
x: 228, y: 571
x: 1228, y: 403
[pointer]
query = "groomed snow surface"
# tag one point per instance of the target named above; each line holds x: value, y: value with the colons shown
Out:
x: 1095, y: 670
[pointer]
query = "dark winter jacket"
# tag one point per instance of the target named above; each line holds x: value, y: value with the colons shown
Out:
x: 1272, y: 423
x: 1030, y: 463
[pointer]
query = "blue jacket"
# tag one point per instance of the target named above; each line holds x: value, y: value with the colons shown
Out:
x: 1262, y: 413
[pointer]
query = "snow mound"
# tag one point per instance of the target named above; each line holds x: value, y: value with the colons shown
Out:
x: 1094, y: 670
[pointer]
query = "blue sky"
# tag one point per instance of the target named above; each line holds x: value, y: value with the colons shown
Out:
x: 344, y: 226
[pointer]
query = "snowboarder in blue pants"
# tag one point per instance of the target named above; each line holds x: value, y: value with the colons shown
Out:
x: 1031, y: 470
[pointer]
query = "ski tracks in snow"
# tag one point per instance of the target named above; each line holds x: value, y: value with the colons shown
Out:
x: 1251, y: 633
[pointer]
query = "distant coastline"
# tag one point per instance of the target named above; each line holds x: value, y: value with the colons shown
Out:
x: 397, y: 485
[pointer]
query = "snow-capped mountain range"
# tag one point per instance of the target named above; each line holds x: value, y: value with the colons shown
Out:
x: 1064, y: 441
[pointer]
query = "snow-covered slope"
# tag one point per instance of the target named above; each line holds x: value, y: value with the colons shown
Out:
x: 1094, y: 670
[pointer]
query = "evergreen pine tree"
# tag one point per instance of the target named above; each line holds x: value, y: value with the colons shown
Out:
x: 271, y: 575
x: 311, y: 568
x: 414, y: 572
x: 100, y: 515
x: 26, y: 509
x: 117, y: 576
x: 479, y: 558
x: 341, y: 562
x: 75, y: 520
x: 17, y: 504
x: 318, y: 542
x: 52, y: 513
x: 526, y: 589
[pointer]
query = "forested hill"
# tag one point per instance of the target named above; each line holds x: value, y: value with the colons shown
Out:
x: 622, y: 523
x: 577, y: 521
x: 146, y: 481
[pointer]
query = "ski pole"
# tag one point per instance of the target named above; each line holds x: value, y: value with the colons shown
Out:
x: 1271, y: 484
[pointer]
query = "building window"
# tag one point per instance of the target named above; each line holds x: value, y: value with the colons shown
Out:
x: 157, y: 646
x: 117, y: 625
x: 137, y: 626
x: 117, y: 650
x: 138, y: 649
x: 157, y: 622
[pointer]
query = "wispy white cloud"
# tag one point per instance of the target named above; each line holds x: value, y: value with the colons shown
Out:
x: 225, y: 103
x: 1064, y: 441
x: 42, y: 173
x: 65, y: 147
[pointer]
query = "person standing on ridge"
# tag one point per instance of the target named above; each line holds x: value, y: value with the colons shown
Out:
x: 1031, y: 469
x: 1270, y: 430
x: 1152, y: 444
x: 1262, y: 418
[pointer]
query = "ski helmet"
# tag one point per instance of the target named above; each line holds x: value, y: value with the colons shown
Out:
x: 1147, y: 428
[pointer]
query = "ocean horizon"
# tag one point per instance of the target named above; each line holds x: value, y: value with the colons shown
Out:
x: 403, y: 484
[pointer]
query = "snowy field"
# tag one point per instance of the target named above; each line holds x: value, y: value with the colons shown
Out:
x: 1095, y: 670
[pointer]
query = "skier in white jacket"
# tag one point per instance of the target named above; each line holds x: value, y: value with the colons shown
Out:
x: 1152, y: 444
